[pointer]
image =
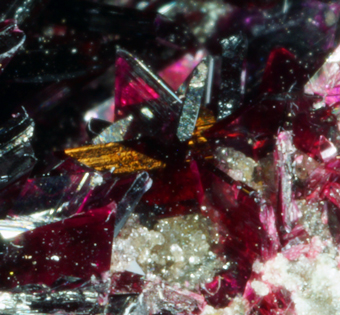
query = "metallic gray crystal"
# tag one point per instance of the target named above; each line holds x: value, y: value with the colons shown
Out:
x: 115, y: 132
x: 233, y: 52
x: 192, y: 102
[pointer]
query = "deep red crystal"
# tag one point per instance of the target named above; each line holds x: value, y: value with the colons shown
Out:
x: 282, y: 72
x: 66, y: 69
x: 79, y: 246
x: 176, y: 191
x: 129, y: 91
x: 241, y: 235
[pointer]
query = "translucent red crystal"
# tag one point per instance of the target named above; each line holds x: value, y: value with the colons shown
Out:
x: 129, y: 91
x: 48, y: 253
x: 176, y: 191
x: 282, y: 72
x: 287, y: 209
x: 240, y: 243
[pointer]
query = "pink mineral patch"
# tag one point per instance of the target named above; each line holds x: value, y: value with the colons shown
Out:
x: 130, y: 90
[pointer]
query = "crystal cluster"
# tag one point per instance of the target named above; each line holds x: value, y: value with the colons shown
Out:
x: 176, y: 249
x: 169, y: 157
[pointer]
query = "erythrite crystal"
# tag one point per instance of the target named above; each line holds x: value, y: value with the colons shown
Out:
x: 313, y: 128
x: 175, y: 74
x: 281, y: 64
x: 212, y: 184
x: 287, y: 25
x: 325, y: 81
x: 287, y: 208
x: 153, y: 107
x: 176, y: 191
x: 252, y: 133
x: 130, y: 200
x: 131, y: 89
x: 328, y: 150
x: 50, y: 252
x: 240, y: 244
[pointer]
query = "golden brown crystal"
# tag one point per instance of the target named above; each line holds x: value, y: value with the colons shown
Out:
x: 114, y: 155
x: 126, y: 160
x: 205, y: 120
x: 198, y: 143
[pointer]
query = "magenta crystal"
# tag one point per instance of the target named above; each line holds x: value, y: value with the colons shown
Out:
x: 128, y: 91
x: 240, y: 216
x: 282, y: 72
x: 176, y: 74
x: 239, y: 243
x: 79, y: 246
x: 176, y: 191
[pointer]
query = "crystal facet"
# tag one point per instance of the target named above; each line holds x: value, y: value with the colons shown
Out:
x: 192, y: 102
x: 233, y: 52
x: 141, y: 93
x: 199, y: 178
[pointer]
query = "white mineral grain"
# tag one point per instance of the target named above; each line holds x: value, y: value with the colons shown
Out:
x: 313, y: 283
x: 176, y: 249
x: 236, y: 164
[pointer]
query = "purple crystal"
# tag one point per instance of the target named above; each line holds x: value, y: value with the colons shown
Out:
x: 240, y: 244
x: 325, y: 82
x: 175, y: 191
x: 47, y: 253
x: 287, y: 208
x: 147, y: 112
x: 243, y: 218
x: 176, y: 74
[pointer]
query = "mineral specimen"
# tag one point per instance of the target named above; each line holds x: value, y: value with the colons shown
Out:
x: 169, y: 157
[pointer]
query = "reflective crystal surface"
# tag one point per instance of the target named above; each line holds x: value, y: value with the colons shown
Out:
x: 116, y: 132
x: 150, y: 107
x: 179, y: 71
x: 233, y: 53
x: 63, y: 195
x: 17, y: 156
x: 325, y: 81
x: 130, y: 200
x: 11, y: 40
x: 192, y: 102
x: 169, y: 157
